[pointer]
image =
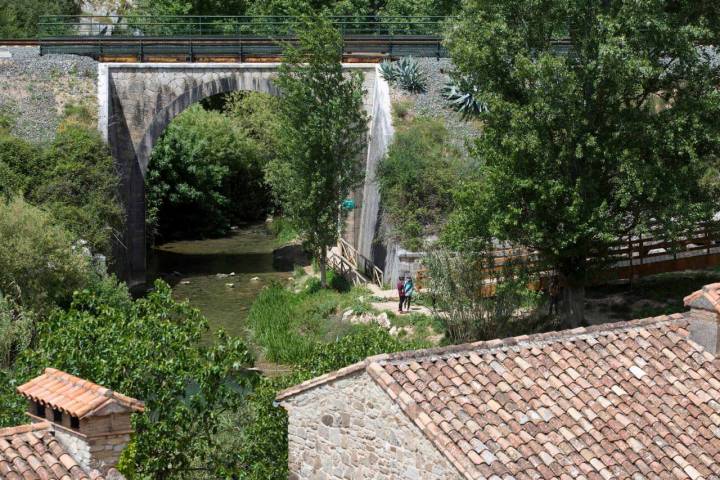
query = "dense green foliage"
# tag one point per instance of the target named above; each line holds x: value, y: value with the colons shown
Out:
x: 19, y: 19
x: 324, y: 127
x: 574, y: 153
x: 149, y: 349
x: 78, y: 185
x: 360, y: 8
x: 205, y: 173
x: 73, y: 178
x: 417, y: 179
x: 39, y: 264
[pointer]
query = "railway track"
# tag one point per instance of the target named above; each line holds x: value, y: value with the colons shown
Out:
x: 356, y: 48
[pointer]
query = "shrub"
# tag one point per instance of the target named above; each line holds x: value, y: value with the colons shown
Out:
x: 479, y: 299
x: 417, y: 179
x: 20, y: 163
x: 39, y: 267
x: 78, y: 183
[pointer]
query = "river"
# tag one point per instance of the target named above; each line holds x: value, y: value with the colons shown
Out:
x: 202, y: 271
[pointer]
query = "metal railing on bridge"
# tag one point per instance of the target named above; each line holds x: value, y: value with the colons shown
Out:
x: 242, y: 36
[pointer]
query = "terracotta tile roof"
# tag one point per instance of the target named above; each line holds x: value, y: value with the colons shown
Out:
x: 32, y: 452
x: 73, y: 395
x: 629, y: 400
x: 708, y: 298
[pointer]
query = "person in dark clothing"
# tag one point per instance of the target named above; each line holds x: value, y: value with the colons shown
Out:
x: 554, y: 292
x: 409, y: 288
x: 401, y: 293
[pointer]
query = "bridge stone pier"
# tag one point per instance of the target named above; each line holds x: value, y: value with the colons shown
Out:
x: 137, y: 101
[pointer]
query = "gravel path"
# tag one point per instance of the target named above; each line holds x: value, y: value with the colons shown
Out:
x: 34, y: 89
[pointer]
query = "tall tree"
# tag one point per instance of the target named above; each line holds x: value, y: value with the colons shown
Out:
x: 591, y: 142
x: 324, y: 128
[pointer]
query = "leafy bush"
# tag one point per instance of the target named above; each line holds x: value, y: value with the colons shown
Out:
x: 78, y: 183
x: 462, y: 97
x: 150, y: 349
x: 39, y: 267
x: 20, y: 164
x: 481, y: 300
x: 417, y: 179
x: 405, y: 73
x: 205, y: 174
x: 16, y: 329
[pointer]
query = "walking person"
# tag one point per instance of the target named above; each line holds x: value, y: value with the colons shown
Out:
x: 401, y: 293
x: 409, y: 288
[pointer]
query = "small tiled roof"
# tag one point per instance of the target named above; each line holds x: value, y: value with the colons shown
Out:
x: 73, y: 395
x: 708, y: 298
x: 629, y: 400
x: 32, y: 452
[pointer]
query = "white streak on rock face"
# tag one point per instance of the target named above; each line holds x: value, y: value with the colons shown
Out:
x: 381, y: 134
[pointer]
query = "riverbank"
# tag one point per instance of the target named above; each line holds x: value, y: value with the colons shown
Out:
x: 221, y: 277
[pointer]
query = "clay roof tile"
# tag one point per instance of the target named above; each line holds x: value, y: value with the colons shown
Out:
x: 73, y: 395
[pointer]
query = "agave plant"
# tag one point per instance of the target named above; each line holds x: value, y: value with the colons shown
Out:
x: 405, y: 73
x: 409, y: 75
x: 388, y: 71
x: 462, y: 96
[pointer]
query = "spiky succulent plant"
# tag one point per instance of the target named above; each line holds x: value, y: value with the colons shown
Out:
x: 461, y: 94
x: 405, y: 73
x: 388, y: 71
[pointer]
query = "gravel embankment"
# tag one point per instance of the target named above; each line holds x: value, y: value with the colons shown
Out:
x: 34, y: 89
x: 431, y: 103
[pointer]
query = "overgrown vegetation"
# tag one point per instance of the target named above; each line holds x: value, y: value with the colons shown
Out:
x: 417, y: 179
x: 206, y: 171
x: 73, y: 178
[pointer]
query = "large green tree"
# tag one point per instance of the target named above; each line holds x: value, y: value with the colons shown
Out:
x: 318, y: 163
x: 591, y: 142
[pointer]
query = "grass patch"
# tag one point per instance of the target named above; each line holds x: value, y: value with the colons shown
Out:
x: 284, y: 232
x: 287, y: 325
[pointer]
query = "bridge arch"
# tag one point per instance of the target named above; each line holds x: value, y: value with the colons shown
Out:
x: 138, y: 101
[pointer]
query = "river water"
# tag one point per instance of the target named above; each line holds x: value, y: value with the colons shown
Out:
x: 200, y: 271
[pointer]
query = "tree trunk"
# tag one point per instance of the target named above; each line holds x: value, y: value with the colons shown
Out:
x: 572, y: 306
x: 322, y: 263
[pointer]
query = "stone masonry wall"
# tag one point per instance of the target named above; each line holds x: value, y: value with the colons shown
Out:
x: 351, y: 428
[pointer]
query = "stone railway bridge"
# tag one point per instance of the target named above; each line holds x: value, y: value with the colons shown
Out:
x: 137, y: 101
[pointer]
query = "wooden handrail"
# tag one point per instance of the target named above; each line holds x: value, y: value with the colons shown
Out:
x: 352, y: 255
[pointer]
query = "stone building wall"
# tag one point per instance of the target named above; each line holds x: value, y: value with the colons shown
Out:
x: 350, y: 428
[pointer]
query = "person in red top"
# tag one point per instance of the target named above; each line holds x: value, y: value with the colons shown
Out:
x: 401, y: 293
